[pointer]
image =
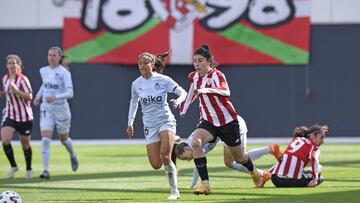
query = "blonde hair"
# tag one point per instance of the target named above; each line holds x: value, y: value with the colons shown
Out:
x: 64, y: 60
x: 17, y: 59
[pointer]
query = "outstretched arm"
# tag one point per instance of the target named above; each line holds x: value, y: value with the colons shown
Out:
x: 134, y: 102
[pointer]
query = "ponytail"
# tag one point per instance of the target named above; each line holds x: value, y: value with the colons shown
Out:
x: 160, y: 60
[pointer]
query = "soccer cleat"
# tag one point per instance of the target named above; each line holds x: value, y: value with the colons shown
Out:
x: 28, y: 174
x: 258, y: 180
x: 45, y: 175
x: 275, y: 151
x: 12, y: 171
x: 202, y: 189
x: 74, y: 163
x: 174, y: 196
x: 266, y: 177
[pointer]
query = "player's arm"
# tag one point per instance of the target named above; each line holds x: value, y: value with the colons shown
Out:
x: 178, y: 90
x: 315, y: 167
x: 24, y: 91
x: 222, y: 88
x: 134, y: 102
x: 69, y: 91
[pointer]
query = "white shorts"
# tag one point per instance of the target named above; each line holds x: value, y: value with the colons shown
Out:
x: 55, y: 115
x: 152, y: 133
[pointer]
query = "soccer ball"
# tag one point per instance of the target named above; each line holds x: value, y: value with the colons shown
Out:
x: 10, y: 197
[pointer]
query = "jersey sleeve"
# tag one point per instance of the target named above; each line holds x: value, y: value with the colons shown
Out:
x: 25, y: 85
x: 69, y: 92
x: 315, y: 164
x: 173, y: 87
x: 134, y: 102
x: 222, y: 87
x: 190, y: 97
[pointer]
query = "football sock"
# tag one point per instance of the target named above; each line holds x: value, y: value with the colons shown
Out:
x: 173, y: 155
x: 239, y: 167
x: 171, y: 173
x: 45, y: 152
x: 201, y: 167
x: 257, y: 153
x: 10, y: 154
x: 248, y: 164
x: 69, y: 147
x: 28, y: 157
x: 195, y: 177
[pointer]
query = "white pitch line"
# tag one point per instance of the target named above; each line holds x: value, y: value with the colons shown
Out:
x: 258, y: 140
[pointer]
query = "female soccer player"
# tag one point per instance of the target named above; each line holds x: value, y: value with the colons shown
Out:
x: 218, y: 117
x: 302, y: 150
x: 17, y: 113
x: 56, y: 88
x: 184, y: 151
x: 151, y: 89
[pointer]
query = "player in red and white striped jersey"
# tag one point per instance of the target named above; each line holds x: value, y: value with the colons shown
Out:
x: 303, y: 150
x: 17, y: 113
x: 218, y: 117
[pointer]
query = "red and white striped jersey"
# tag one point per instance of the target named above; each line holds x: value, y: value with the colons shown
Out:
x: 297, y: 155
x: 213, y: 93
x: 17, y: 108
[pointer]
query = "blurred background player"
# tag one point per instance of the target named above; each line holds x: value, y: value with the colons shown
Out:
x: 218, y: 117
x: 302, y: 150
x: 184, y: 152
x: 17, y: 113
x: 56, y: 88
x: 151, y: 89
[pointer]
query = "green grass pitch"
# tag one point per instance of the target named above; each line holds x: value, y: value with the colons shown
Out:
x: 123, y: 174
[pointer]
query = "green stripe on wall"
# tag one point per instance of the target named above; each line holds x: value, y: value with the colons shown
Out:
x: 107, y: 42
x: 284, y: 52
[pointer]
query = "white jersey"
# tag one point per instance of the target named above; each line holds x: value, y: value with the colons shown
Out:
x: 152, y: 94
x: 56, y: 82
x: 209, y: 146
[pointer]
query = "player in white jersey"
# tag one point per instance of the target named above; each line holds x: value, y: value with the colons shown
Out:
x: 151, y: 89
x: 17, y: 113
x: 56, y: 88
x: 184, y: 151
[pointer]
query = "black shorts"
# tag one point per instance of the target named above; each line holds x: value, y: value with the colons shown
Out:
x: 24, y: 128
x: 229, y: 133
x: 290, y: 182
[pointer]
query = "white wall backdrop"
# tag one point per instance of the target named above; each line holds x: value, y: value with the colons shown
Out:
x: 47, y: 14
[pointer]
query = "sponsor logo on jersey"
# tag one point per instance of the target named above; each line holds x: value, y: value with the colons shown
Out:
x: 51, y: 86
x: 150, y: 99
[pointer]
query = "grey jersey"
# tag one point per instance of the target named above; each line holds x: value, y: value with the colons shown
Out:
x: 152, y: 95
x: 55, y: 82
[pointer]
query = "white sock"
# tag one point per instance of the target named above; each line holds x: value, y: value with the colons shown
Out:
x: 69, y: 147
x: 195, y: 178
x: 171, y: 173
x: 257, y: 153
x: 45, y: 152
x: 239, y: 167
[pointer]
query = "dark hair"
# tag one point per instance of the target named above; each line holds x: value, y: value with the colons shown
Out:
x: 303, y: 131
x: 204, y: 51
x: 300, y: 131
x: 64, y: 60
x: 160, y: 60
x: 180, y: 148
